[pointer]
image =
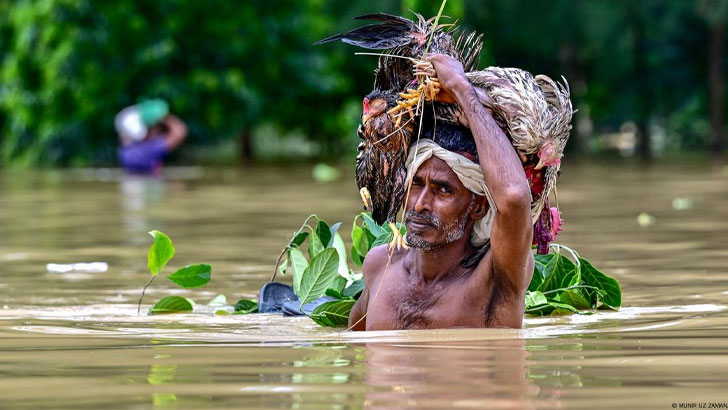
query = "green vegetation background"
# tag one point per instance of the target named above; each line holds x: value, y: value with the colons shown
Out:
x: 246, y: 78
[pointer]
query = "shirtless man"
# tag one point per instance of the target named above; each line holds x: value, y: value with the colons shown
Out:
x: 452, y: 275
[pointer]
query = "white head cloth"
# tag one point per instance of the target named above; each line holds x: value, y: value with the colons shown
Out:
x: 467, y: 171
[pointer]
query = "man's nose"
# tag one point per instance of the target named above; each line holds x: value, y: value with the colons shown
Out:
x: 422, y: 200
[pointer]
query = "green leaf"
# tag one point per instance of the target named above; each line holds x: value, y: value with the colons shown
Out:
x: 338, y: 244
x: 354, y: 290
x: 323, y: 231
x: 299, y: 264
x: 219, y: 300
x: 593, y: 296
x: 537, y: 277
x: 298, y: 239
x: 192, y: 276
x: 355, y: 257
x: 338, y: 284
x: 541, y: 262
x: 560, y: 271
x: 610, y: 286
x: 573, y: 298
x: 245, y: 306
x: 335, y: 313
x: 562, y: 308
x: 172, y: 304
x: 318, y: 275
x: 551, y: 308
x: 314, y: 245
x: 334, y: 229
x: 322, y: 320
x: 372, y: 226
x: 370, y: 238
x: 160, y: 252
x: 282, y: 267
x: 334, y: 293
x: 382, y: 239
x: 359, y: 243
x: 534, y: 299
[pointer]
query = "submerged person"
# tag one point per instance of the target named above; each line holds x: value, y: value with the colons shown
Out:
x: 148, y: 132
x: 468, y: 227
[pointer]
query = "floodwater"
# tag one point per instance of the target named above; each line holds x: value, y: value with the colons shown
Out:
x: 74, y: 340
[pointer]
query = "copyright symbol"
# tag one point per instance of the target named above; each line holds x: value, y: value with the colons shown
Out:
x: 674, y: 405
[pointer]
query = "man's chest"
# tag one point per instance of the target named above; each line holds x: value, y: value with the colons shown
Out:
x: 406, y: 305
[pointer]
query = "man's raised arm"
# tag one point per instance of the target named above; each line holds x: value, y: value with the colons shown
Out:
x: 511, y: 232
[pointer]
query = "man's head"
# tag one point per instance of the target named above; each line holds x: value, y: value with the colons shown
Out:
x: 137, y: 122
x: 454, y: 138
x: 440, y: 209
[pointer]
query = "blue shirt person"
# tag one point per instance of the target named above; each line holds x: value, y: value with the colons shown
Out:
x: 147, y: 132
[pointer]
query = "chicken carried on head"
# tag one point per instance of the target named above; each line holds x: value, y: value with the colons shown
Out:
x: 380, y: 166
x: 535, y: 112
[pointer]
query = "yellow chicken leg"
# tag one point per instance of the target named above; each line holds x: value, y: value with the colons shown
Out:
x: 366, y: 198
x: 397, y: 241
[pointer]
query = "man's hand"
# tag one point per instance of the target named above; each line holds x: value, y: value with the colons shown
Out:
x: 451, y: 74
x: 177, y: 131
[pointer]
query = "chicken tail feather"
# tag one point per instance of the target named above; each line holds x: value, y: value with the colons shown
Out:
x: 390, y: 33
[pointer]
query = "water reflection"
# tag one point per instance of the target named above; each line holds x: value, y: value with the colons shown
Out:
x: 160, y: 374
x: 455, y: 374
x: 137, y: 194
x: 139, y: 191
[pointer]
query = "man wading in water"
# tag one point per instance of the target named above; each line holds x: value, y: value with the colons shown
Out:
x: 468, y: 226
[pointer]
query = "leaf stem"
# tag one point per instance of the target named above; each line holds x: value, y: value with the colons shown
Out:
x: 290, y: 243
x: 139, y: 305
x: 571, y: 287
x: 574, y: 254
x: 278, y: 262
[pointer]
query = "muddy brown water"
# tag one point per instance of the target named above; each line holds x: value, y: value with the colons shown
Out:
x: 74, y: 340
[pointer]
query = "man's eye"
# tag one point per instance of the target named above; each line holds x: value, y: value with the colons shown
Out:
x: 445, y: 190
x: 417, y: 182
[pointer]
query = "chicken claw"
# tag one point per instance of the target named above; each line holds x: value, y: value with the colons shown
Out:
x: 366, y: 198
x: 397, y: 241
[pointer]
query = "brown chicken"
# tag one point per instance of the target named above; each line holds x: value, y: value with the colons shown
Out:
x: 380, y: 165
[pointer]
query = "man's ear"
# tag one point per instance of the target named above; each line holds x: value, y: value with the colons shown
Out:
x: 481, y: 208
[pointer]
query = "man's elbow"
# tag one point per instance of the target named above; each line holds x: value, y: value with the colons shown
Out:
x: 516, y: 201
x: 182, y: 131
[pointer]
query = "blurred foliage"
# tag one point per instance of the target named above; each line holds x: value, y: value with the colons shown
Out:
x: 236, y: 71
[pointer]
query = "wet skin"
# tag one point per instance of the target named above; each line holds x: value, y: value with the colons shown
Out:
x: 426, y: 286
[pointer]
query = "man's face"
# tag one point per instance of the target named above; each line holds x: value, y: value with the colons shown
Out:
x: 439, y: 207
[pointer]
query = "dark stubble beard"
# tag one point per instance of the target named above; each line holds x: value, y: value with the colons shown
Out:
x: 453, y: 231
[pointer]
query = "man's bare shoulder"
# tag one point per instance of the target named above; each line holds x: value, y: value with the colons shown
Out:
x: 377, y: 259
x: 374, y: 262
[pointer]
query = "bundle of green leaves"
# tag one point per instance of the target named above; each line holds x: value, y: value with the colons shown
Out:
x: 560, y: 285
x: 326, y: 272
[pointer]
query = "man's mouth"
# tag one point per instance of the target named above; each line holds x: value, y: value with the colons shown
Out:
x: 420, y: 223
x: 417, y: 224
